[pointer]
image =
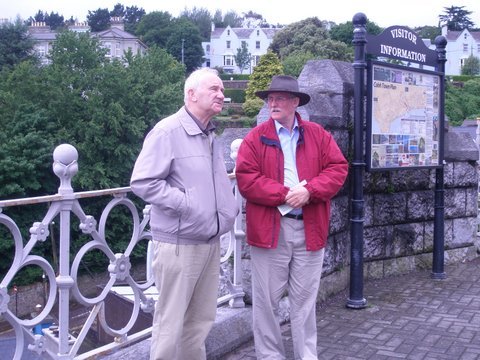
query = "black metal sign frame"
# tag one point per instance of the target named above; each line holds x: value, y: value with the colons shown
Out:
x: 403, y: 117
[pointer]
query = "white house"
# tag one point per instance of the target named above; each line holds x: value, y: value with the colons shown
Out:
x: 460, y: 45
x: 220, y: 51
x: 115, y: 39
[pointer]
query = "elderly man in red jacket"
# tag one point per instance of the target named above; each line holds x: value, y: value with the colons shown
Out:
x: 288, y: 170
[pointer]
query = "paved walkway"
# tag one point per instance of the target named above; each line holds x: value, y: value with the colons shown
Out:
x: 407, y: 317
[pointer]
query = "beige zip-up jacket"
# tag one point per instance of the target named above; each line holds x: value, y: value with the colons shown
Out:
x: 181, y: 172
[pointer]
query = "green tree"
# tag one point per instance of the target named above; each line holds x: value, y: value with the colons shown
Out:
x: 334, y: 50
x: 160, y: 29
x: 183, y: 33
x: 15, y: 44
x: 154, y: 28
x: 118, y: 11
x: 26, y: 134
x: 133, y: 15
x: 268, y: 66
x: 309, y: 36
x: 456, y: 18
x: 303, y: 35
x: 252, y: 20
x: 293, y: 63
x: 98, y: 20
x: 462, y: 102
x: 243, y: 57
x: 428, y: 32
x: 101, y: 107
x: 54, y: 20
x: 471, y: 66
x: 344, y: 32
x: 202, y: 18
x: 39, y: 17
x: 231, y: 18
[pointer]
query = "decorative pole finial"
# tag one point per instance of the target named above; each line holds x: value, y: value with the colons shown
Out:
x: 65, y: 166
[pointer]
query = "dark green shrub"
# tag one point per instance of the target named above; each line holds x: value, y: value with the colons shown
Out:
x: 237, y: 95
x: 252, y: 107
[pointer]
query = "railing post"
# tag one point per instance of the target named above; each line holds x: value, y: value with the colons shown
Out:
x: 237, y: 301
x: 65, y: 167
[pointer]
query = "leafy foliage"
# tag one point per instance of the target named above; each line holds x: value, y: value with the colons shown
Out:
x: 133, y: 15
x: 154, y: 28
x: 456, y: 18
x: 344, y: 32
x: 294, y: 63
x: 201, y: 18
x: 15, y: 44
x: 243, y: 57
x: 309, y: 36
x: 101, y: 107
x: 53, y: 20
x: 471, y: 66
x: 231, y: 18
x: 160, y: 29
x: 299, y: 36
x: 98, y: 20
x: 268, y: 66
x: 462, y: 102
x: 428, y: 32
x: 185, y: 36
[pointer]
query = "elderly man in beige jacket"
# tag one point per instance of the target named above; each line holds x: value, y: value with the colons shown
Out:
x: 181, y: 172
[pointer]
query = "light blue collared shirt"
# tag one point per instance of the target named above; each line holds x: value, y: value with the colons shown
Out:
x: 288, y: 141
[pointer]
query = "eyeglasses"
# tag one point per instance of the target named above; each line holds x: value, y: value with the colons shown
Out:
x: 278, y: 99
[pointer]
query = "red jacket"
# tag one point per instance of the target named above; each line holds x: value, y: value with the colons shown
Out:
x: 259, y: 172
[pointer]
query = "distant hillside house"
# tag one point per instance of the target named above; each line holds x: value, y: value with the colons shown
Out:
x: 115, y: 39
x: 221, y: 50
x: 460, y: 45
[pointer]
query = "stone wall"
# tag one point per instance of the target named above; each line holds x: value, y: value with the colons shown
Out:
x: 399, y: 205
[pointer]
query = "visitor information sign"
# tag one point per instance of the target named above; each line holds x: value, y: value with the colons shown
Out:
x: 402, y: 117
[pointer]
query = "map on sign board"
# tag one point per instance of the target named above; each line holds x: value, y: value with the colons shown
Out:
x: 404, y: 110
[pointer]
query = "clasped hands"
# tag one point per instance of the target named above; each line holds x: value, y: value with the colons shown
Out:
x: 297, y: 197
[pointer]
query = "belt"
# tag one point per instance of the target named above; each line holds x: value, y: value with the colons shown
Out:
x: 294, y: 216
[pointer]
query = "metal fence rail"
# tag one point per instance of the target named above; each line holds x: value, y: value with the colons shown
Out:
x: 56, y: 341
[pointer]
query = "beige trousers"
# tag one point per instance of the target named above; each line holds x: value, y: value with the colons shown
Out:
x: 187, y: 283
x: 289, y: 267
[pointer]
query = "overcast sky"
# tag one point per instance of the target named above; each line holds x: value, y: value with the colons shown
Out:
x: 409, y: 13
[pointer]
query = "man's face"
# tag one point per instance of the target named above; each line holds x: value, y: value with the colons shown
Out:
x: 282, y: 107
x: 209, y: 96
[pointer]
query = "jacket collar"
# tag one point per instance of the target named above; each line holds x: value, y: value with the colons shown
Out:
x: 270, y: 136
x: 190, y: 125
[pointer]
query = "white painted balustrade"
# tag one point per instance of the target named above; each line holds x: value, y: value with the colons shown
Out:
x: 56, y: 342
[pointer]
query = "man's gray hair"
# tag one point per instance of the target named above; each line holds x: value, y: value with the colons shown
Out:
x: 195, y: 78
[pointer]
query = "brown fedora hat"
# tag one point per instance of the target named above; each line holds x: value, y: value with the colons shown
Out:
x: 284, y: 83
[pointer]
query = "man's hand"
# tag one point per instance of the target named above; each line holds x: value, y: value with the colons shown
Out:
x: 297, y: 197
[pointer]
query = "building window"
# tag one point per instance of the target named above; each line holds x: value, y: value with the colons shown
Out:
x: 478, y: 48
x: 465, y: 48
x: 207, y: 48
x: 228, y: 60
x: 108, y: 46
x: 228, y: 44
x: 257, y: 45
x: 118, y: 50
x: 258, y: 32
x: 228, y: 32
x: 42, y: 52
x: 244, y: 43
x: 255, y: 60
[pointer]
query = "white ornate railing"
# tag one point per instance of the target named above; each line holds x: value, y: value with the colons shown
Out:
x: 57, y: 342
